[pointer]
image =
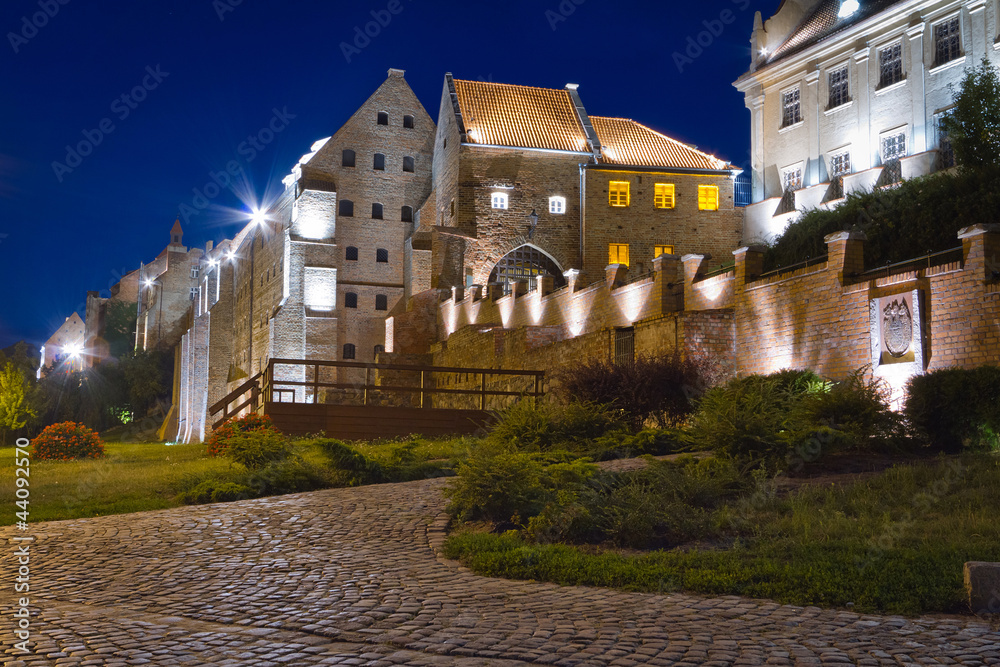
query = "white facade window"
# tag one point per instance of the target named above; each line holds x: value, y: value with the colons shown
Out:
x: 791, y: 107
x: 839, y: 87
x: 890, y: 65
x: 194, y: 272
x: 791, y: 177
x: 892, y: 145
x: 557, y: 205
x: 947, y: 41
x: 840, y: 164
x: 194, y: 293
x: 500, y: 200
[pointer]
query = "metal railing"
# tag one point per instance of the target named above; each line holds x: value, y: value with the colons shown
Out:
x: 811, y: 261
x: 743, y: 190
x: 927, y: 261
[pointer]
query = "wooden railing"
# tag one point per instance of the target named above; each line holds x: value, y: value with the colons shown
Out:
x: 263, y: 388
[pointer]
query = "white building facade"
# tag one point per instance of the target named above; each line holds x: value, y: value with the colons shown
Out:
x: 846, y: 96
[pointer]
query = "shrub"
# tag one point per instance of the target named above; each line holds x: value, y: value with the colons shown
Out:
x: 748, y: 417
x: 501, y: 484
x: 660, y: 388
x: 66, y: 441
x: 291, y: 475
x: 215, y: 491
x: 256, y: 449
x: 852, y: 414
x: 955, y: 408
x: 218, y: 442
x: 544, y: 427
x: 623, y: 445
x: 350, y: 467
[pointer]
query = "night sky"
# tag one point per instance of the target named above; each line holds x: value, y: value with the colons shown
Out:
x: 211, y: 74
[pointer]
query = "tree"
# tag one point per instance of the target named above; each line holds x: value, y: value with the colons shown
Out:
x: 15, y: 408
x: 973, y: 124
x: 119, y: 327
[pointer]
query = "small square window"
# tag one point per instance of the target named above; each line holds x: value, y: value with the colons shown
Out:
x: 662, y: 250
x: 664, y: 195
x: 893, y: 146
x: 557, y: 205
x: 791, y: 178
x: 350, y: 300
x: 618, y: 193
x: 408, y: 122
x: 618, y: 253
x: 194, y: 293
x: 381, y: 255
x: 345, y: 208
x: 379, y: 163
x: 383, y: 118
x: 381, y: 302
x: 499, y: 200
x: 194, y: 272
x: 708, y: 197
x: 408, y: 164
x: 840, y: 164
x: 791, y: 108
x: 351, y: 253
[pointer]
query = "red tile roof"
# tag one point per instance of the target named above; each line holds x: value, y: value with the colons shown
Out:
x: 501, y: 114
x: 626, y: 142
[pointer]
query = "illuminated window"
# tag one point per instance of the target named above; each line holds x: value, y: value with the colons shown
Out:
x: 663, y: 195
x: 408, y: 122
x: 347, y: 160
x: 379, y: 162
x: 383, y: 118
x: 499, y: 200
x: 791, y: 178
x: 618, y: 193
x: 662, y: 250
x: 708, y: 198
x: 791, y: 108
x: 893, y: 145
x: 840, y: 164
x: 557, y: 205
x: 618, y: 253
x: 349, y: 351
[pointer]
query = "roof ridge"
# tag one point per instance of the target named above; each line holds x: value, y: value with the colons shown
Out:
x: 512, y: 85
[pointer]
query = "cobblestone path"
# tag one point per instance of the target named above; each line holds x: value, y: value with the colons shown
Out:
x: 351, y: 576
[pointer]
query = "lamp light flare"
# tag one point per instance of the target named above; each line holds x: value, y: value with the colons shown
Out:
x: 258, y: 217
x: 74, y: 349
x: 848, y: 7
x: 147, y: 282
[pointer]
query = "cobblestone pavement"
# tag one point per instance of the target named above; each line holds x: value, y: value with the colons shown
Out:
x: 351, y: 576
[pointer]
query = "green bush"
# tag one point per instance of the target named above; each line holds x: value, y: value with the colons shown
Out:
x: 350, y: 467
x: 257, y: 449
x: 544, y: 427
x: 291, y: 475
x: 215, y: 491
x: 657, y: 388
x: 501, y: 484
x: 954, y: 408
x: 748, y: 418
x: 625, y: 445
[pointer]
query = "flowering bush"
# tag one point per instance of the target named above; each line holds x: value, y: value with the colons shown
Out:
x: 218, y: 443
x: 67, y: 441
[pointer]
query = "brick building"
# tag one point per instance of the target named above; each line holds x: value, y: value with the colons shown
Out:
x: 528, y: 184
x: 64, y: 350
x: 123, y: 295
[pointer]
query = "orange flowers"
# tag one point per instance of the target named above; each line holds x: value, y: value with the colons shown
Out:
x: 67, y: 441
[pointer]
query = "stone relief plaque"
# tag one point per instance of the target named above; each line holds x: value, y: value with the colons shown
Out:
x: 895, y: 329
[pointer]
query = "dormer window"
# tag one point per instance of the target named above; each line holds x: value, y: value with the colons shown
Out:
x: 499, y: 200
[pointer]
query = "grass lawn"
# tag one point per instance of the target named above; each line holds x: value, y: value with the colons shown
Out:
x: 133, y: 477
x: 895, y: 543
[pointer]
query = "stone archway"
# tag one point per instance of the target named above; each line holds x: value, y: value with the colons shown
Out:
x: 525, y: 262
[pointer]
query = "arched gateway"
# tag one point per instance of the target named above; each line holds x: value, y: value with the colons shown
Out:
x: 525, y: 262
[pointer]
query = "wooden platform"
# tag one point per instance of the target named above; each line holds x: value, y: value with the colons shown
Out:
x: 365, y: 422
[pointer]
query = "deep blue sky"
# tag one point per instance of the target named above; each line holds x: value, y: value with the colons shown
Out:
x: 224, y: 77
